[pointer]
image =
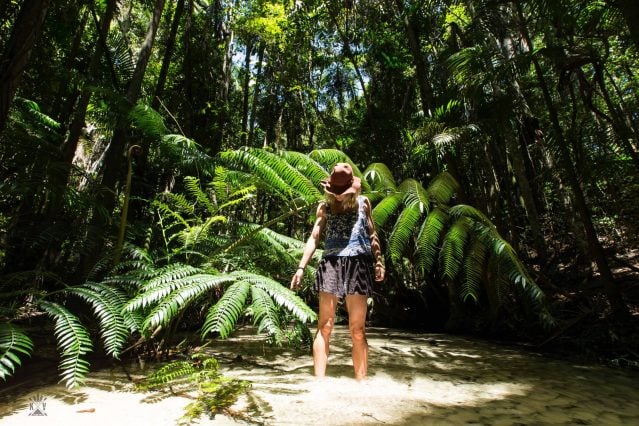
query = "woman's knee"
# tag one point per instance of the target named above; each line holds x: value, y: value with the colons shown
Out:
x: 358, y: 332
x: 325, y: 325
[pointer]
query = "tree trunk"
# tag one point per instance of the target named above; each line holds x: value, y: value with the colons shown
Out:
x: 16, y: 55
x: 168, y: 54
x: 114, y: 160
x: 613, y: 293
x: 245, y: 90
x: 256, y: 94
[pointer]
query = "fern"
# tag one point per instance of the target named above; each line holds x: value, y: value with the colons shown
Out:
x: 266, y: 314
x: 223, y: 316
x: 73, y: 341
x: 428, y: 239
x: 453, y: 248
x: 192, y: 184
x: 169, y: 306
x: 403, y: 231
x: 107, y: 305
x: 13, y: 343
x: 200, y: 373
x: 275, y: 172
x: 474, y: 265
x: 148, y: 120
x: 282, y: 295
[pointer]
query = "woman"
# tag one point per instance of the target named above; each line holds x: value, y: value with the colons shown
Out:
x: 345, y: 269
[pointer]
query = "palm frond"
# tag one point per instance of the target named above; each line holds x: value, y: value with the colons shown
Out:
x: 223, y: 316
x: 13, y: 344
x: 74, y: 342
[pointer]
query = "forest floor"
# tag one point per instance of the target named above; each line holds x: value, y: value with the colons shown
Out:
x: 586, y: 329
x: 414, y: 378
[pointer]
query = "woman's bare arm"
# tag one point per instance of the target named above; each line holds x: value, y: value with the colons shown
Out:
x: 311, y: 245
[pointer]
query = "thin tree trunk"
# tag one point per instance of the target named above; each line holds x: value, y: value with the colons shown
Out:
x: 24, y: 34
x: 113, y: 157
x: 168, y: 54
x: 256, y: 93
x: 596, y: 250
x: 245, y: 90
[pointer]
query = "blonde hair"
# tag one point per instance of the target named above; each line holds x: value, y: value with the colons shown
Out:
x: 349, y: 202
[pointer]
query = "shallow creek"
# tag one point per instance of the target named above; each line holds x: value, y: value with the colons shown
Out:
x: 413, y: 379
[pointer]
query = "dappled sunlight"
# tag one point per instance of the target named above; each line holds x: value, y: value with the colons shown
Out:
x: 413, y: 379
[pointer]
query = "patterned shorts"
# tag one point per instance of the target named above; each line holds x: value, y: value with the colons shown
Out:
x: 345, y: 275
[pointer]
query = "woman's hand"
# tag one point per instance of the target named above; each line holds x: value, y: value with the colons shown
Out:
x: 297, y: 279
x: 380, y: 272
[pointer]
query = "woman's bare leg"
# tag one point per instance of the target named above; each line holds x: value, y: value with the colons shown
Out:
x: 327, y: 305
x: 356, y: 305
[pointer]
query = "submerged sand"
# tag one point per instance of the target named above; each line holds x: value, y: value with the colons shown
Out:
x: 413, y: 379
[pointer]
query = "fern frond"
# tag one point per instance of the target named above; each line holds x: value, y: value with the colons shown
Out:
x: 169, y: 274
x: 428, y: 239
x: 306, y: 165
x: 442, y: 188
x: 403, y: 230
x: 176, y: 372
x: 328, y: 157
x: 453, y: 247
x: 474, y: 266
x: 192, y: 185
x: 415, y: 194
x: 386, y: 208
x: 464, y: 210
x: 74, y: 342
x: 13, y: 344
x: 170, y: 306
x: 381, y: 179
x: 223, y: 316
x: 278, y: 175
x: 157, y: 294
x: 107, y: 307
x: 265, y: 315
x: 148, y: 120
x: 283, y: 296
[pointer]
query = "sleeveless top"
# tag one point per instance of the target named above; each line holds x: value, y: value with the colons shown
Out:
x: 347, y: 233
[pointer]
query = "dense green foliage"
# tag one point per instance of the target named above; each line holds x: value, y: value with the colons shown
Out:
x: 160, y: 162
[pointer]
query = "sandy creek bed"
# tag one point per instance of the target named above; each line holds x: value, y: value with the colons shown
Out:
x: 413, y: 379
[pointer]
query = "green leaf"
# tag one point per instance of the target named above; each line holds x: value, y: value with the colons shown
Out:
x: 223, y: 316
x: 13, y: 341
x: 73, y: 341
